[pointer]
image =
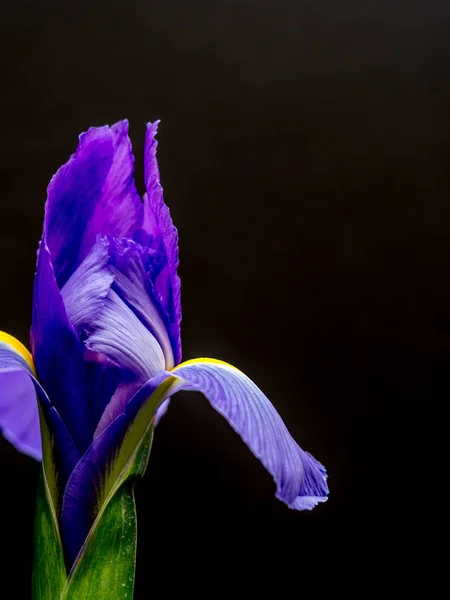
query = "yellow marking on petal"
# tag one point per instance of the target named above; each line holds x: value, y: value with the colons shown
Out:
x: 211, y: 361
x: 19, y: 348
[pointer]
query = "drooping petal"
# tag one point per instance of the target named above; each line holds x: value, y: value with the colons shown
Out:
x: 20, y: 395
x: 300, y: 479
x: 88, y: 286
x: 119, y: 334
x: 19, y: 417
x: 93, y: 193
x: 59, y: 354
x: 164, y: 239
x: 130, y: 264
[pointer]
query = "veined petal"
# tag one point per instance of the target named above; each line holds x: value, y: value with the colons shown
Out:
x: 88, y: 286
x: 119, y: 334
x: 93, y: 193
x: 300, y: 479
x: 20, y: 395
x: 132, y: 282
x: 19, y: 416
x: 159, y: 226
x: 59, y: 354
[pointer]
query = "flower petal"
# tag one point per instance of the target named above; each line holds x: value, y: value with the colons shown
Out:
x: 88, y: 286
x: 59, y: 354
x: 93, y: 193
x: 119, y: 334
x: 300, y: 479
x: 20, y: 395
x: 19, y: 416
x: 159, y: 226
x: 131, y: 264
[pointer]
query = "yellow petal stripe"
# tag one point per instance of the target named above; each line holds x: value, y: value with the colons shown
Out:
x: 19, y: 348
x: 211, y: 361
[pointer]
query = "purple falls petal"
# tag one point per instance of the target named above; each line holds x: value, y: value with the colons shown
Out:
x: 159, y: 226
x: 59, y: 354
x: 88, y: 286
x: 20, y: 394
x: 19, y: 416
x: 93, y: 193
x: 300, y: 479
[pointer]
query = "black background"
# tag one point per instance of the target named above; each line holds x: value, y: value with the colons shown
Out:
x: 304, y: 152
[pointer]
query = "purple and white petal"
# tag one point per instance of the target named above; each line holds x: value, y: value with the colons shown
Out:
x: 93, y: 193
x: 19, y: 416
x: 120, y: 335
x: 132, y: 282
x: 300, y: 478
x: 88, y: 286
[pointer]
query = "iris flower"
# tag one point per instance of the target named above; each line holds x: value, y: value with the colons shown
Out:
x: 106, y: 349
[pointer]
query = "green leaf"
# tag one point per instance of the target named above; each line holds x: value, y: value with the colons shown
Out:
x: 106, y: 567
x: 49, y: 571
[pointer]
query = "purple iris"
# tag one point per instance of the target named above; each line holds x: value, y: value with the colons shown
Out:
x: 105, y: 338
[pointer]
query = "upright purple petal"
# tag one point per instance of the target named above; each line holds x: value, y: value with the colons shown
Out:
x: 93, y: 193
x: 59, y: 354
x: 59, y: 449
x: 164, y: 238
